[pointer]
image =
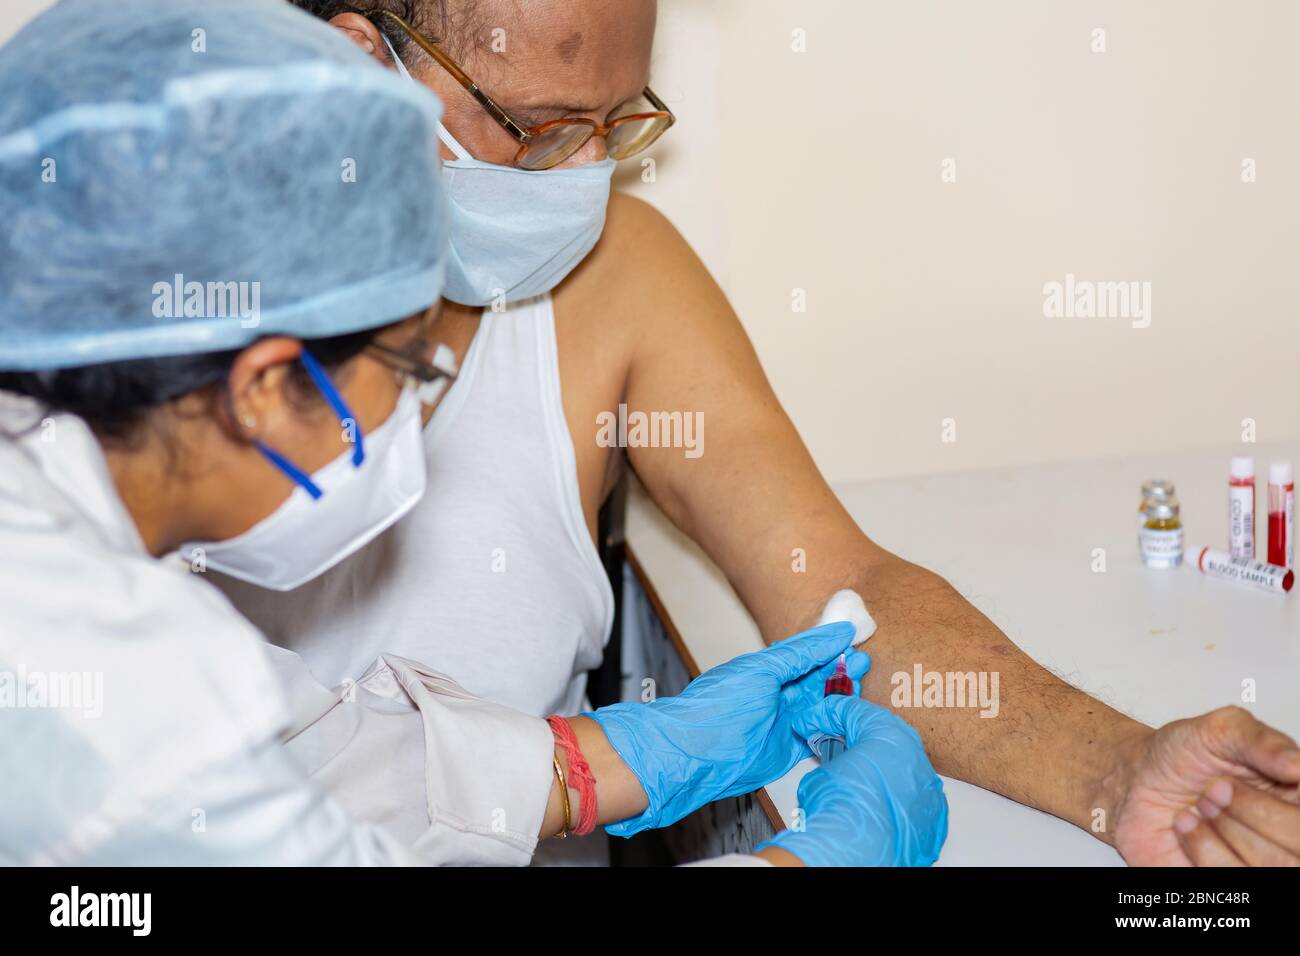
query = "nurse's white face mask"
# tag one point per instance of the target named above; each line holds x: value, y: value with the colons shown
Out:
x: 337, y: 510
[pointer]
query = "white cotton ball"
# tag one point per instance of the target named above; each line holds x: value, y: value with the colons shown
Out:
x: 847, y: 605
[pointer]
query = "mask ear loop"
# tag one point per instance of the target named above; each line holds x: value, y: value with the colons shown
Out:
x: 336, y: 402
x: 292, y: 470
x: 443, y: 134
x: 450, y: 142
x: 397, y: 60
x: 322, y: 381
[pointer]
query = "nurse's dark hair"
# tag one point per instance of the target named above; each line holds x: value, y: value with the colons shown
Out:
x: 117, y: 398
x: 451, y: 23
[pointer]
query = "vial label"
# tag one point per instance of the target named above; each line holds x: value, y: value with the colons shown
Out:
x: 1288, y: 529
x: 1259, y: 573
x: 1281, y: 529
x: 1241, y: 521
x: 1161, y: 549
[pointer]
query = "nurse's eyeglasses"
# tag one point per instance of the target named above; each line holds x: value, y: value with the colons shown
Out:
x: 412, y: 361
x: 548, y: 144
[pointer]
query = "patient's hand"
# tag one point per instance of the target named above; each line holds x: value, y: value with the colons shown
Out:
x: 1223, y: 758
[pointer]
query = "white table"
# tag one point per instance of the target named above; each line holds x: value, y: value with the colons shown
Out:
x: 1018, y: 543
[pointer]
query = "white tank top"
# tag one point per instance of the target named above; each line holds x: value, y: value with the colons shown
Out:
x: 492, y: 578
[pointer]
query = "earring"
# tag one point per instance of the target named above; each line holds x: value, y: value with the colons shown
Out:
x: 248, y: 421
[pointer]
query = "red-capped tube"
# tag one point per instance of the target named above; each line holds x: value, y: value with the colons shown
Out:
x: 1260, y: 574
x: 1281, y: 514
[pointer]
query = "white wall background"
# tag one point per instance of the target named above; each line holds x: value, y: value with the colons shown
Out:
x: 925, y: 298
x: 821, y: 170
x: 14, y: 13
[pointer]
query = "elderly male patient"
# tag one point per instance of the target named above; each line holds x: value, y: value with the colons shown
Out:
x: 565, y: 302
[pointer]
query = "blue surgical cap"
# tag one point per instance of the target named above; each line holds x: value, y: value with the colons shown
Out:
x: 183, y: 176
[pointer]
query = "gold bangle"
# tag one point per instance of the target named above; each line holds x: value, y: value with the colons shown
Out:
x: 564, y: 796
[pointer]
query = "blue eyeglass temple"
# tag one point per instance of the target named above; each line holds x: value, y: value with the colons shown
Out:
x: 346, y: 419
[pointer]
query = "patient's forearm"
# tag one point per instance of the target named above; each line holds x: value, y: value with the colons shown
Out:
x: 1050, y: 745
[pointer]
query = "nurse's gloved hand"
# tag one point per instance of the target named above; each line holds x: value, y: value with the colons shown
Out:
x: 879, y: 803
x: 731, y: 730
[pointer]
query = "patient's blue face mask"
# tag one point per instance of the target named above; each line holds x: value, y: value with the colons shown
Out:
x: 516, y: 233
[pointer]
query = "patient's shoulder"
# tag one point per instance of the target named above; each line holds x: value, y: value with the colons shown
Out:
x: 639, y: 257
x: 635, y: 225
x: 630, y: 215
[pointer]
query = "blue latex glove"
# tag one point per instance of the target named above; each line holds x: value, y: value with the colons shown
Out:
x: 879, y: 803
x: 731, y: 730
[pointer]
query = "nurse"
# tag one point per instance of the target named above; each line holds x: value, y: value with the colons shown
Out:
x: 191, y: 378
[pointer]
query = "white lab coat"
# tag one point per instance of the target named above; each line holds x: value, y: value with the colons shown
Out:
x: 144, y: 721
x: 197, y: 745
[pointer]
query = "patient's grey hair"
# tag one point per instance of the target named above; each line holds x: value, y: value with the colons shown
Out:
x: 453, y: 24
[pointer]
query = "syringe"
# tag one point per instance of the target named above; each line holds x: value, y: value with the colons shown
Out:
x: 827, y: 747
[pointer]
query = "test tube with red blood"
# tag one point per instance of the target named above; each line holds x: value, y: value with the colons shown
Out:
x: 1281, y: 514
x: 838, y: 683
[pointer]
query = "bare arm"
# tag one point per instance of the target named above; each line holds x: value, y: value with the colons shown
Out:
x: 755, y: 495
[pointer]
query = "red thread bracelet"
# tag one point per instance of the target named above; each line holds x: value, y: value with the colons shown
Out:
x: 579, y: 775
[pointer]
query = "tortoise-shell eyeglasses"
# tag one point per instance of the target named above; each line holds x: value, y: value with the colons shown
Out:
x: 548, y: 144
